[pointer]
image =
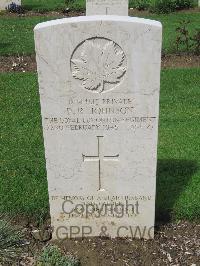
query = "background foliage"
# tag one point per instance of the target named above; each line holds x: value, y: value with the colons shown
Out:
x: 161, y: 6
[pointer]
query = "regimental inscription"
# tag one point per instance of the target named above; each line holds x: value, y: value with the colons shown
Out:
x: 108, y: 123
x: 99, y: 64
x: 100, y: 158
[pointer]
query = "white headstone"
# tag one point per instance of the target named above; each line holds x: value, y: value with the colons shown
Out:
x: 107, y: 7
x: 4, y: 3
x: 99, y: 80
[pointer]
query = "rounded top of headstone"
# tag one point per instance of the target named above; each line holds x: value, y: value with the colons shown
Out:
x: 80, y: 19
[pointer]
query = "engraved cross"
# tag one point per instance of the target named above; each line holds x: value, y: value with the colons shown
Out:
x: 100, y: 158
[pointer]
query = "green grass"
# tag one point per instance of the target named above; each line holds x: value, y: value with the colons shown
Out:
x: 179, y: 144
x: 16, y: 34
x: 23, y: 184
x: 43, y: 5
x: 52, y: 256
x: 50, y: 5
x: 10, y: 243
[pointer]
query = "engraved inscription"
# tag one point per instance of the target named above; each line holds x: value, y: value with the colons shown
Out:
x: 102, y: 205
x: 106, y: 113
x: 99, y: 64
x: 99, y: 158
x: 108, y: 123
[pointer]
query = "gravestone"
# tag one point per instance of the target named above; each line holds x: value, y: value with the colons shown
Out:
x: 4, y: 3
x: 99, y: 80
x: 107, y: 7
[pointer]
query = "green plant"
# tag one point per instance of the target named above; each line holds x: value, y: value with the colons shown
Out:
x: 196, y: 42
x: 183, y: 37
x: 10, y: 243
x: 140, y: 4
x: 14, y: 8
x: 167, y: 6
x: 69, y: 2
x: 185, y: 40
x: 78, y: 5
x: 163, y: 6
x: 52, y: 256
x: 184, y: 4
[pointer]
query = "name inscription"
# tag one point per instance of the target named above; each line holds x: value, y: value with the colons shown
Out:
x: 99, y: 114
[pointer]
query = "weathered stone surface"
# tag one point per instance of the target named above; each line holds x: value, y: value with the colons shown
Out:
x: 4, y: 3
x: 107, y: 7
x: 99, y: 81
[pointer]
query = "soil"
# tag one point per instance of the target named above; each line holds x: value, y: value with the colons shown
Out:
x: 17, y: 64
x: 44, y: 14
x: 180, y: 61
x: 69, y: 13
x: 28, y: 63
x: 174, y: 244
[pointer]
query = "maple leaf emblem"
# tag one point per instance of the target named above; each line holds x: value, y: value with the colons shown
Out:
x: 99, y: 63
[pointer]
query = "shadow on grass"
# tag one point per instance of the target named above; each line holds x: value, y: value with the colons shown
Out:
x: 4, y: 46
x: 172, y: 178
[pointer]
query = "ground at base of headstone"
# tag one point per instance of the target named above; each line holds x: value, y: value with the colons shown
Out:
x: 59, y: 14
x: 74, y: 13
x: 28, y: 63
x: 174, y: 244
